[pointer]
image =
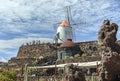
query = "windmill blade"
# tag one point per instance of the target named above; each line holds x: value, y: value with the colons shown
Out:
x: 82, y: 24
x: 83, y: 21
x: 68, y: 14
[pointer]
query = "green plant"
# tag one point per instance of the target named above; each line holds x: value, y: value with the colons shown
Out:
x: 66, y: 57
x: 34, y: 61
x: 3, y: 78
x: 77, y: 55
x: 31, y: 70
x: 8, y: 76
x: 42, y: 79
x: 84, y: 57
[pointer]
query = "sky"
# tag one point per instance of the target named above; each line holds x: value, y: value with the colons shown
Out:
x: 23, y: 21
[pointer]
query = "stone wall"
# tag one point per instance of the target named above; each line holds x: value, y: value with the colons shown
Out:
x: 89, y: 48
x: 36, y: 50
x: 21, y: 61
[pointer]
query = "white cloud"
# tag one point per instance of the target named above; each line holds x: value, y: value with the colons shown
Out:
x: 16, y: 42
x: 2, y: 59
x: 8, y: 51
x: 13, y: 10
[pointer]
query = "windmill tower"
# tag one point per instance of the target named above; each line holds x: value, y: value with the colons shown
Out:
x: 64, y: 30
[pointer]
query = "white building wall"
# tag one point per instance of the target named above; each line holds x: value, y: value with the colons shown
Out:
x: 64, y: 33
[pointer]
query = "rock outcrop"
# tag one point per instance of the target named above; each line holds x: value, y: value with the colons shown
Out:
x: 110, y: 50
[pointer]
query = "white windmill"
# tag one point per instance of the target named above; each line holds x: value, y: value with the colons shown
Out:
x: 65, y: 29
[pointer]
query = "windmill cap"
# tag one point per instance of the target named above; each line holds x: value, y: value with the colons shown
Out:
x: 65, y: 24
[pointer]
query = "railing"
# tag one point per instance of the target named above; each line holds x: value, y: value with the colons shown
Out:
x: 54, y: 78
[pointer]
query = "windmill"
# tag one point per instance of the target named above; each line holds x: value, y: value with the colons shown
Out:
x: 65, y: 29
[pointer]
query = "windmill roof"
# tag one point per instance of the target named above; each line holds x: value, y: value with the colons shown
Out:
x: 68, y: 43
x: 65, y: 24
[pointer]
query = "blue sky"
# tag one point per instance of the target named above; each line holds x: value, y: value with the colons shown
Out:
x: 22, y: 21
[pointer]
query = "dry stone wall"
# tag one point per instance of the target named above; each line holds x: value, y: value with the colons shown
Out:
x: 89, y: 48
x: 36, y: 50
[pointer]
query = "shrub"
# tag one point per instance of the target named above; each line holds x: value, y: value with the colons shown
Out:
x: 77, y: 55
x: 66, y: 57
x: 8, y: 76
x: 84, y: 57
